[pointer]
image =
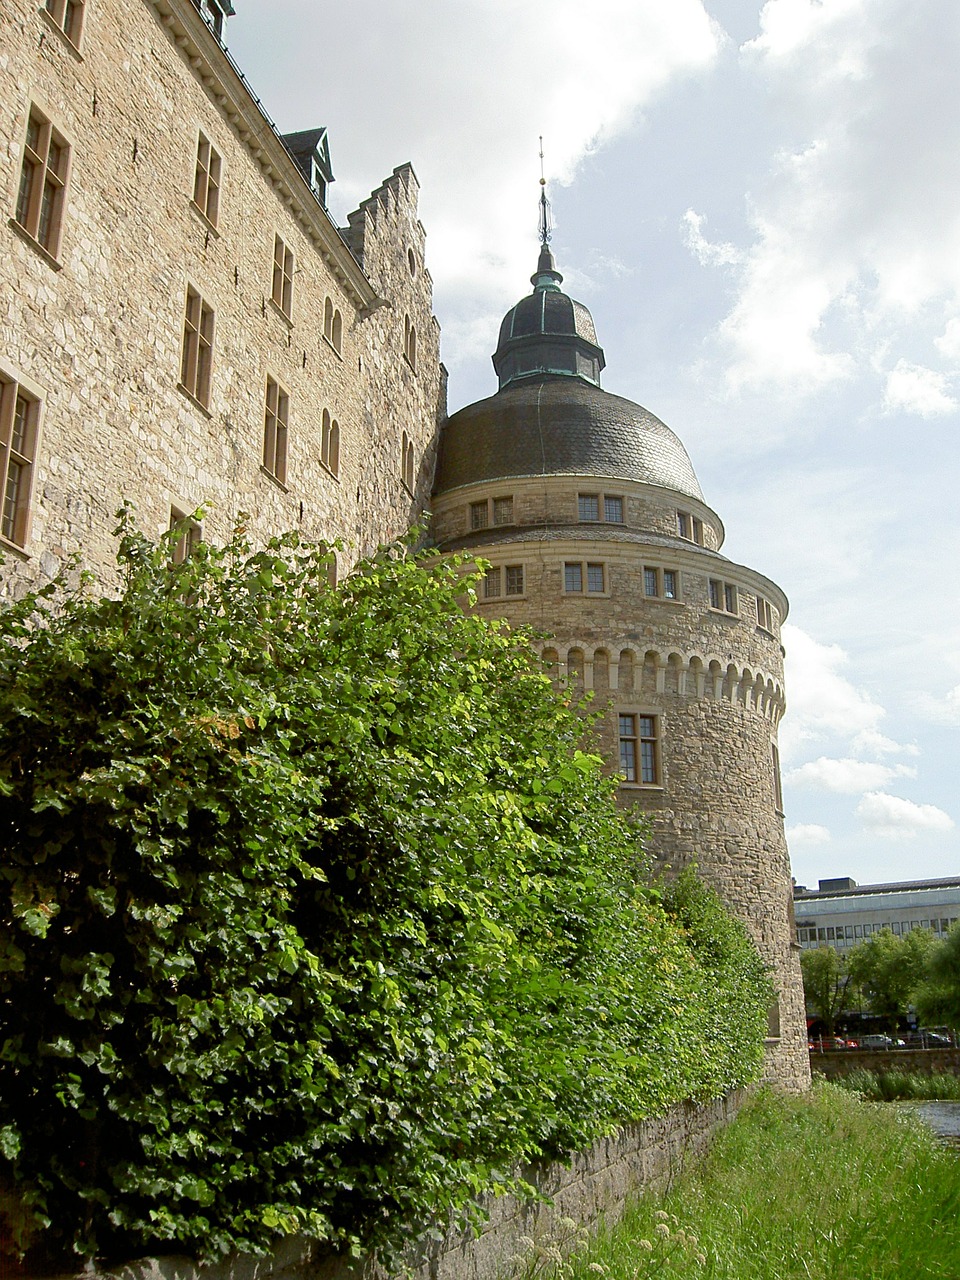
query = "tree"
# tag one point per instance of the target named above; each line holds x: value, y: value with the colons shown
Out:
x: 938, y: 994
x: 888, y: 970
x: 315, y: 915
x: 825, y: 984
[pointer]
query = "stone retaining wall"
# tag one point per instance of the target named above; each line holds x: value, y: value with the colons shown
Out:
x: 834, y: 1063
x: 596, y: 1184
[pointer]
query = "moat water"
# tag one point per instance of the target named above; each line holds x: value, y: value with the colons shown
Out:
x: 943, y: 1118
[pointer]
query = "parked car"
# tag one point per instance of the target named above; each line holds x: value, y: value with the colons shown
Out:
x: 877, y: 1042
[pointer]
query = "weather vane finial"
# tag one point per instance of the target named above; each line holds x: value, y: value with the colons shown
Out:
x: 545, y: 229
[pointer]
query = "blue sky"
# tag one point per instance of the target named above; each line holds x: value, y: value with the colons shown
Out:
x: 760, y: 203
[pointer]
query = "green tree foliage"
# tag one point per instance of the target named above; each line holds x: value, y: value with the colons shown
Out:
x: 937, y: 996
x: 888, y: 970
x: 825, y: 984
x: 315, y: 916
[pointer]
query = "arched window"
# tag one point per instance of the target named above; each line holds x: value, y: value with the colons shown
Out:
x: 406, y: 462
x: 336, y: 336
x: 410, y: 342
x: 328, y: 319
x: 330, y: 443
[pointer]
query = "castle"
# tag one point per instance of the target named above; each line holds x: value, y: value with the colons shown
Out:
x: 186, y: 327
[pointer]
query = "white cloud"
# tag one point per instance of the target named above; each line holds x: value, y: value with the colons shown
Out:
x: 910, y: 388
x: 894, y: 818
x: 846, y: 777
x: 822, y: 701
x: 854, y: 235
x: 706, y: 253
x: 807, y: 833
x: 869, y: 742
x: 945, y: 710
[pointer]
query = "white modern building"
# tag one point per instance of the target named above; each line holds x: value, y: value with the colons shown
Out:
x: 841, y: 913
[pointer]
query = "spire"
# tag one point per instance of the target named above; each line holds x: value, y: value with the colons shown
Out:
x: 547, y: 276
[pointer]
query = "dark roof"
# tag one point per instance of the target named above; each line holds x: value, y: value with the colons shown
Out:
x: 545, y: 425
x: 801, y: 893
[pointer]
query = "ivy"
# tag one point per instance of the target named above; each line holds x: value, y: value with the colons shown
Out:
x: 317, y: 914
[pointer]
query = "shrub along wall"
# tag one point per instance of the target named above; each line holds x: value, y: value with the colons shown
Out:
x: 597, y: 1183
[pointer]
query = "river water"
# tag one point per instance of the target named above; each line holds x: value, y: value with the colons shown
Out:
x: 943, y: 1118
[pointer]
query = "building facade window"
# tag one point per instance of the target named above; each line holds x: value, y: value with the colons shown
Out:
x: 777, y: 785
x: 276, y: 416
x: 502, y: 511
x: 188, y: 539
x: 19, y: 425
x: 197, y: 361
x: 723, y: 596
x: 407, y: 462
x: 330, y: 443
x: 409, y: 342
x: 282, y: 286
x: 206, y: 180
x: 479, y: 515
x: 765, y: 614
x: 595, y: 506
x: 578, y: 576
x: 639, y: 748
x: 503, y: 581
x: 68, y: 16
x: 333, y: 325
x: 690, y: 527
x: 662, y: 584
x: 513, y: 575
x: 43, y: 183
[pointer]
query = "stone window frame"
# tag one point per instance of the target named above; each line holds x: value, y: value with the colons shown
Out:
x: 606, y: 505
x: 196, y: 360
x: 724, y: 597
x: 777, y: 779
x: 42, y: 188
x: 21, y: 410
x: 410, y: 342
x: 207, y: 180
x: 488, y: 513
x: 67, y: 16
x: 407, y: 464
x: 660, y: 583
x: 333, y: 326
x: 330, y: 444
x: 276, y: 431
x: 498, y: 585
x: 640, y: 748
x: 190, y: 537
x: 765, y: 615
x: 281, y: 285
x: 582, y: 572
x: 690, y: 527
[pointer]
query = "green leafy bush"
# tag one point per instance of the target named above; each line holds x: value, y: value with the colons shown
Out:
x: 315, y: 916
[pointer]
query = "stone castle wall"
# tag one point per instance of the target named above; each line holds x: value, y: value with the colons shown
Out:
x: 96, y: 332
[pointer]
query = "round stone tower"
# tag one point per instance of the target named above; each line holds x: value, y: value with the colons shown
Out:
x: 589, y: 511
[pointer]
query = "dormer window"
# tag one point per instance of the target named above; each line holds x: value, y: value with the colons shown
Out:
x: 213, y: 13
x: 311, y: 152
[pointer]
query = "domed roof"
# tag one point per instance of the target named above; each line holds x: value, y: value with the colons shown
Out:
x: 555, y: 425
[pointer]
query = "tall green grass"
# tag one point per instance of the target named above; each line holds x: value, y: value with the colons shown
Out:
x: 888, y: 1086
x: 820, y: 1187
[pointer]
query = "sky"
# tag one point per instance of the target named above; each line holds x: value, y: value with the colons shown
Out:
x: 760, y: 204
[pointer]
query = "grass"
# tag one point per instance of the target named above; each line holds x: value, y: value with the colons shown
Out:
x: 822, y: 1186
x: 889, y: 1086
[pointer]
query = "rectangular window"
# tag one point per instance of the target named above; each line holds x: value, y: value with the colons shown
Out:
x: 206, y: 182
x: 661, y: 583
x: 19, y: 416
x: 514, y: 579
x: 651, y: 582
x: 628, y: 747
x: 683, y: 524
x: 723, y: 596
x: 730, y: 598
x: 503, y: 511
x: 649, y: 749
x: 690, y: 527
x: 282, y: 292
x: 491, y: 584
x: 479, y: 515
x: 573, y: 577
x: 716, y: 595
x: 189, y: 538
x: 68, y: 15
x: 669, y: 584
x: 275, y: 417
x: 777, y: 785
x: 895, y: 927
x: 588, y: 506
x: 595, y: 578
x: 43, y: 182
x: 764, y: 614
x: 197, y: 359
x: 613, y: 510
